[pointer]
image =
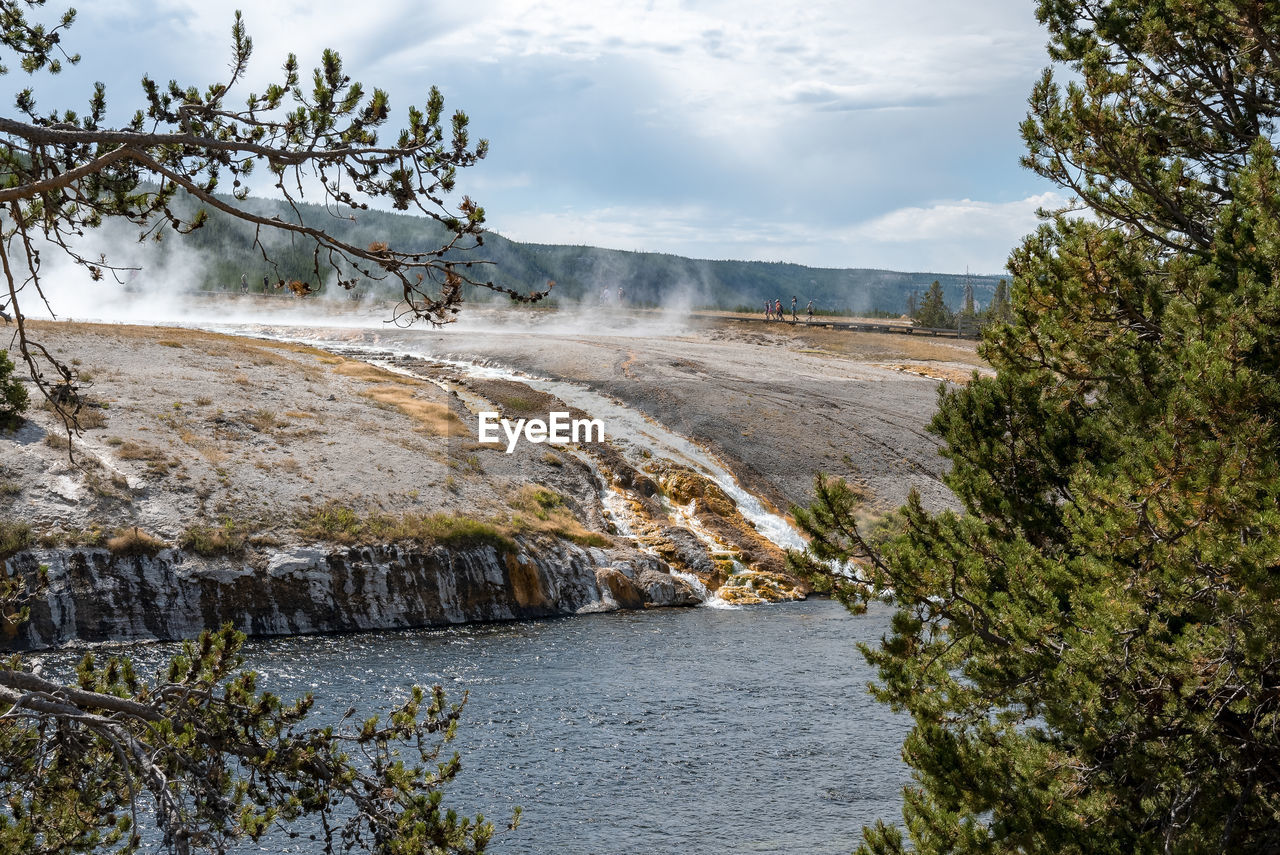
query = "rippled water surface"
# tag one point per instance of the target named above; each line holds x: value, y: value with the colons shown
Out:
x: 677, y: 730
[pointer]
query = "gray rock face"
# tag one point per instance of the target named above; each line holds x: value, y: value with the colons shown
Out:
x: 91, y: 595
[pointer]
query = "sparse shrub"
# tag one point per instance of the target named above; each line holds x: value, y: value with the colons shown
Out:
x: 91, y: 417
x: 331, y: 521
x: 13, y: 395
x: 337, y: 523
x: 210, y: 541
x: 450, y: 530
x: 264, y: 420
x: 130, y: 450
x: 92, y: 536
x: 14, y: 537
x: 134, y: 542
x: 552, y: 459
x: 541, y: 510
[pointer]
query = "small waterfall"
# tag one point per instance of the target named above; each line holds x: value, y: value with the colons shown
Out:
x: 639, y: 438
x: 637, y: 431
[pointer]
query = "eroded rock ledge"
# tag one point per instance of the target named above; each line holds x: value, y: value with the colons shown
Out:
x: 90, y: 595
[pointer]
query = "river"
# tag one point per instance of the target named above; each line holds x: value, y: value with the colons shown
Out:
x: 666, y: 731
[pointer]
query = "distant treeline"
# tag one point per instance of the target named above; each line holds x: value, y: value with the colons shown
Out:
x: 581, y: 273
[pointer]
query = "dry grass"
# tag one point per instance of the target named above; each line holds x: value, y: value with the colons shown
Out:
x: 432, y: 416
x: 887, y: 347
x: 134, y: 541
x: 265, y: 421
x: 91, y: 417
x: 57, y: 441
x: 211, y: 541
x: 130, y: 450
x: 158, y: 461
x: 207, y: 448
x: 15, y: 536
x: 370, y: 373
x: 936, y: 372
x: 540, y: 510
x: 337, y: 523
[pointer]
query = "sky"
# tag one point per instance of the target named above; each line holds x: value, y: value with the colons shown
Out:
x: 850, y: 133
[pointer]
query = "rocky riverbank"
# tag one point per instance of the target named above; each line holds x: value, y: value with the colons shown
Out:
x: 92, y: 595
x: 287, y: 488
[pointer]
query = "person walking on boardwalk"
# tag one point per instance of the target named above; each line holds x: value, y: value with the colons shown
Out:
x: 793, y: 309
x: 809, y: 311
x: 244, y: 283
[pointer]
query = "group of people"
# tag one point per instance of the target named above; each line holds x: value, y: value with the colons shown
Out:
x: 773, y: 311
x: 266, y: 283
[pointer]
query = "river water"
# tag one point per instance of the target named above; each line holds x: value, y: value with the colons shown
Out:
x: 665, y: 731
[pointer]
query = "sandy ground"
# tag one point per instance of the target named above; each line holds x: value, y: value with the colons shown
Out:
x: 776, y: 403
x: 189, y: 427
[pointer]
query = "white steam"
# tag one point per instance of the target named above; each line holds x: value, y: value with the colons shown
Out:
x: 159, y: 284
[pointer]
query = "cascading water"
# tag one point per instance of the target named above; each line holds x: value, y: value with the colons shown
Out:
x: 630, y: 427
x: 638, y: 437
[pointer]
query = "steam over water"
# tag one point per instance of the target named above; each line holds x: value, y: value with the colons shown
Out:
x: 669, y: 731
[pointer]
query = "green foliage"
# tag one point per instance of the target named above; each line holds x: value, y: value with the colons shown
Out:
x: 13, y: 395
x: 15, y: 536
x: 998, y: 311
x: 220, y: 760
x: 212, y: 541
x: 580, y: 272
x: 932, y: 310
x: 1090, y: 650
x: 335, y: 522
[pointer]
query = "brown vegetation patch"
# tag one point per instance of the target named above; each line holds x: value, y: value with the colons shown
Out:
x: 430, y: 415
x: 335, y: 522
x: 134, y: 542
x: 540, y: 510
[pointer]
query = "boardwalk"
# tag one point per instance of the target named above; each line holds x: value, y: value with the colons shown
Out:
x: 969, y: 330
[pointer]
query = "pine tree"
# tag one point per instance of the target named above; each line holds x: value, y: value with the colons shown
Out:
x: 933, y: 309
x: 999, y: 308
x: 1090, y: 649
x: 216, y: 760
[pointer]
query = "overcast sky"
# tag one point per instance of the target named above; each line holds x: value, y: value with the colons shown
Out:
x: 849, y: 133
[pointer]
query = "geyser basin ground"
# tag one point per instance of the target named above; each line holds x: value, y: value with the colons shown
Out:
x: 193, y: 436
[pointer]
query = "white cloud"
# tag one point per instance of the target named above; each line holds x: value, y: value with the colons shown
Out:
x: 946, y: 236
x: 957, y: 219
x: 821, y: 132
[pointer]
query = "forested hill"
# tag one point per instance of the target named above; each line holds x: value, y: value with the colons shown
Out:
x: 580, y: 272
